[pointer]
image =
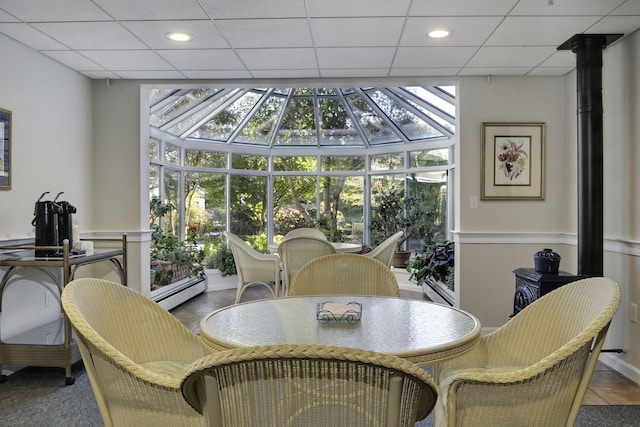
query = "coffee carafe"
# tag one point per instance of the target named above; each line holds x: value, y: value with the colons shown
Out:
x: 65, y: 223
x: 53, y: 224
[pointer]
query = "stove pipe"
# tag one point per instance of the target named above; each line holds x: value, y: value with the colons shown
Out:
x: 588, y: 49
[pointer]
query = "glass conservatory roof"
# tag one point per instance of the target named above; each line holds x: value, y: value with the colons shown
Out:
x: 291, y: 117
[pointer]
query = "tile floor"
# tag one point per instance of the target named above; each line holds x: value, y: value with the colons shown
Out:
x: 607, y: 387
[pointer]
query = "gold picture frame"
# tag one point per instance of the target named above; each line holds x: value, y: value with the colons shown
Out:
x: 513, y: 161
x: 5, y: 149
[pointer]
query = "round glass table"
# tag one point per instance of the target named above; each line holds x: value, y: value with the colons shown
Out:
x: 341, y: 247
x: 420, y: 331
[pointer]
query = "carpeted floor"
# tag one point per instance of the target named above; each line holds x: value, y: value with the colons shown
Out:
x: 38, y: 397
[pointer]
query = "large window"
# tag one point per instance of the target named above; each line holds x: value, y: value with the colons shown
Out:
x: 260, y: 162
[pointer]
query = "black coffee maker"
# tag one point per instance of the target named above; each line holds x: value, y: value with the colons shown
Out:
x: 54, y: 223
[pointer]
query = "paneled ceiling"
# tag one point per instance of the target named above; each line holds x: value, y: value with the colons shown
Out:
x: 264, y: 39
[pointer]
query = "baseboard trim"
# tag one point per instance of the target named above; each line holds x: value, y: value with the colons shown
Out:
x: 615, y: 362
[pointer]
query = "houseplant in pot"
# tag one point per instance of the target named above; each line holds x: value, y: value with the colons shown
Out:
x: 394, y: 212
x: 223, y: 261
x: 434, y: 263
x: 220, y: 268
x: 172, y: 259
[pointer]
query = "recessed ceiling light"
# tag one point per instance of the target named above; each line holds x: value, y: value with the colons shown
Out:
x: 439, y: 34
x: 179, y: 37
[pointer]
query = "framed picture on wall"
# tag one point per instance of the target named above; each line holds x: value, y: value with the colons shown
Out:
x: 513, y: 161
x: 5, y: 149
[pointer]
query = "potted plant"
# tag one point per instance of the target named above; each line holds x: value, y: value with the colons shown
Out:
x: 220, y: 268
x: 434, y: 263
x: 223, y: 261
x: 172, y: 259
x: 394, y: 212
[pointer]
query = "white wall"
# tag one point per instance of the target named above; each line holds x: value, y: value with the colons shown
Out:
x: 52, y: 151
x: 52, y: 135
x: 514, y: 230
x: 621, y: 99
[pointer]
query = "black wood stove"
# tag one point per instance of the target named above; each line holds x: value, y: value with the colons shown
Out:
x: 531, y: 285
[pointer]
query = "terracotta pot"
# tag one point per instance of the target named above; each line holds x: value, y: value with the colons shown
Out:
x: 170, y: 271
x: 401, y: 259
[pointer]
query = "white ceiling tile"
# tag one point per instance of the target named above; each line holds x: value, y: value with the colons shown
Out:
x: 74, y: 60
x: 97, y: 75
x: 210, y: 59
x: 494, y: 71
x: 342, y: 8
x: 566, y: 7
x: 631, y: 7
x: 366, y: 57
x: 127, y: 59
x: 428, y: 72
x: 216, y: 74
x: 132, y: 74
x: 58, y: 10
x: 541, y: 31
x: 153, y: 33
x: 330, y: 32
x: 251, y: 33
x: 550, y: 71
x: 355, y: 72
x: 285, y: 74
x: 31, y: 37
x: 462, y: 7
x: 224, y: 9
x: 91, y: 35
x: 362, y: 39
x: 561, y: 58
x: 466, y: 31
x: 509, y: 57
x: 616, y: 24
x: 152, y: 9
x: 5, y: 17
x: 432, y: 57
x: 265, y: 59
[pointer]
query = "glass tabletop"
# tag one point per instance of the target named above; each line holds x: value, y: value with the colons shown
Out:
x: 418, y: 330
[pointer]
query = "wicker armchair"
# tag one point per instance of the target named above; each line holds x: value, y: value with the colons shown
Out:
x: 384, y: 251
x: 534, y: 370
x: 253, y: 267
x: 297, y: 251
x: 135, y: 354
x: 344, y: 274
x: 308, y: 386
x: 306, y: 232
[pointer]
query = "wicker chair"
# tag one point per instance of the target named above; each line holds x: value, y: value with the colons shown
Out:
x: 253, y: 267
x: 344, y: 274
x: 534, y: 370
x: 135, y: 354
x: 306, y: 232
x: 308, y: 386
x: 297, y: 251
x: 384, y: 251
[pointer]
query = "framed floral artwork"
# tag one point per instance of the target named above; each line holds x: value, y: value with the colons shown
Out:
x: 5, y: 149
x: 513, y: 161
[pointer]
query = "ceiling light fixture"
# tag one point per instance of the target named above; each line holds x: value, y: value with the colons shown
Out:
x: 179, y: 37
x: 438, y: 34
